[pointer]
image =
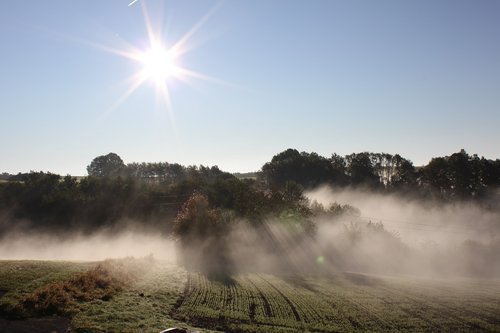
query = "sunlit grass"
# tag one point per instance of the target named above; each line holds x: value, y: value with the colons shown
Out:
x: 111, y: 296
x: 346, y: 302
x: 159, y: 296
x: 19, y: 278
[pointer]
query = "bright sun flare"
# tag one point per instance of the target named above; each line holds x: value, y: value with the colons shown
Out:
x: 159, y: 64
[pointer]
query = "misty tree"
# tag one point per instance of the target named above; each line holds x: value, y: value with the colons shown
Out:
x: 242, y: 196
x: 106, y: 166
x: 154, y: 192
x: 195, y: 218
x: 5, y: 175
x: 201, y: 230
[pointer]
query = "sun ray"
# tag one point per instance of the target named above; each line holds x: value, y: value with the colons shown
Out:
x: 186, y: 73
x: 160, y: 73
x: 136, y: 83
x: 160, y: 61
x: 129, y: 51
x: 183, y: 41
x: 149, y: 26
x: 164, y: 95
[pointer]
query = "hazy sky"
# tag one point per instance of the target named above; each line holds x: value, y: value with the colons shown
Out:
x: 419, y: 78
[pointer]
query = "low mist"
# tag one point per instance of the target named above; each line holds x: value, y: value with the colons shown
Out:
x: 376, y: 233
x: 395, y: 234
x: 417, y: 222
x: 98, y: 246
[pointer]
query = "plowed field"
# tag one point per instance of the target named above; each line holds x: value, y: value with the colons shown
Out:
x: 167, y: 296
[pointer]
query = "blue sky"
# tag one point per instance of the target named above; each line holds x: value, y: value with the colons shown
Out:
x: 419, y: 78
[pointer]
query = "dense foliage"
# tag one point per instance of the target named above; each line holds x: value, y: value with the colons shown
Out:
x: 153, y: 193
x: 458, y: 176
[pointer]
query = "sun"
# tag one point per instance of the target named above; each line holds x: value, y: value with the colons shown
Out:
x: 159, y: 64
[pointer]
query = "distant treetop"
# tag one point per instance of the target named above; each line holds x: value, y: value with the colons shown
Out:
x: 105, y: 165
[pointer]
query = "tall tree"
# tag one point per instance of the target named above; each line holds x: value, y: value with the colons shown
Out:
x: 361, y: 169
x: 106, y: 165
x: 305, y: 169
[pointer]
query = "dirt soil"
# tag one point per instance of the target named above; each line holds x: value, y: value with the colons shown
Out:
x: 35, y: 325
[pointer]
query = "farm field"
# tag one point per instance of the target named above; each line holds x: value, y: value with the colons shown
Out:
x: 140, y: 306
x: 166, y: 296
x: 346, y: 302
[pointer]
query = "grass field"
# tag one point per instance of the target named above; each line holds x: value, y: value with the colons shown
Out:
x: 141, y: 306
x: 345, y: 302
x: 166, y: 295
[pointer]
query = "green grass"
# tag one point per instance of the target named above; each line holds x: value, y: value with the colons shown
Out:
x: 140, y: 305
x: 19, y: 278
x: 165, y: 295
x: 345, y: 302
x: 143, y: 307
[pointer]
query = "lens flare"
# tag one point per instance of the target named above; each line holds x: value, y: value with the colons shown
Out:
x: 159, y: 61
x: 159, y: 64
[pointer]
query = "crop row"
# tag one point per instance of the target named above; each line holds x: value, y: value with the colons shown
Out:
x: 344, y: 303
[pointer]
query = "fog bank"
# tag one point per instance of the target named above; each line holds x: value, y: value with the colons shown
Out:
x: 417, y: 222
x: 98, y: 246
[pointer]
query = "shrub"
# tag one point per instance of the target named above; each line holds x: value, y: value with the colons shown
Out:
x: 62, y: 298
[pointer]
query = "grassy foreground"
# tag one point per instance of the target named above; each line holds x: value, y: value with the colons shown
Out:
x: 152, y: 296
x: 136, y: 300
x: 346, y: 302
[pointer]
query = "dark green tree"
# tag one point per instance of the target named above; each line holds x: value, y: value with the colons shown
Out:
x: 361, y: 170
x: 106, y: 166
x: 306, y: 169
x: 460, y: 175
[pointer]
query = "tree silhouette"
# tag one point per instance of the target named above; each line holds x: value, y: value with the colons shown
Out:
x: 105, y: 165
x: 361, y: 169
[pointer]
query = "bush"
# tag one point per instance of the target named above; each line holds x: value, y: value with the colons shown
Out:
x: 62, y: 298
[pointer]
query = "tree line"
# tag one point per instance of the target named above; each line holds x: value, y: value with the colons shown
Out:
x: 199, y: 205
x: 115, y: 193
x: 458, y: 176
